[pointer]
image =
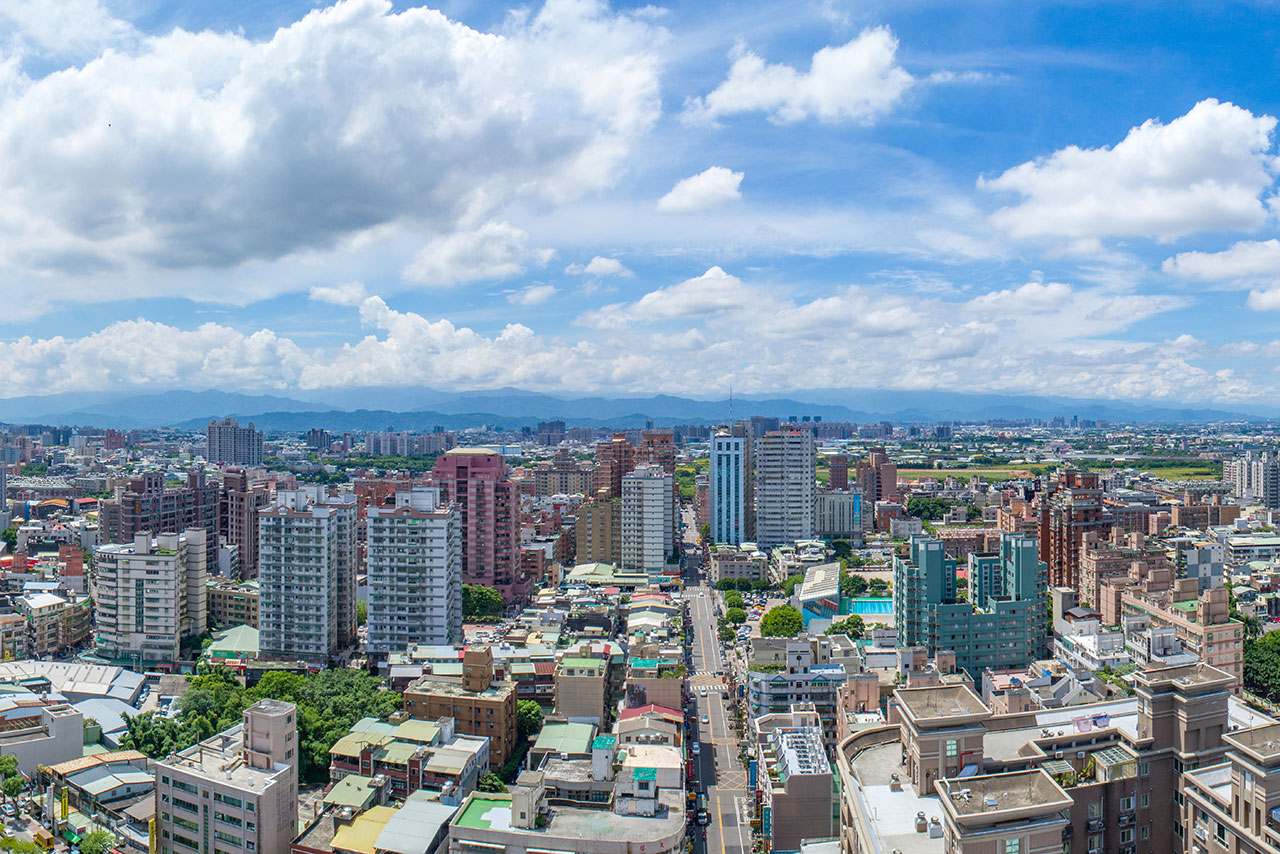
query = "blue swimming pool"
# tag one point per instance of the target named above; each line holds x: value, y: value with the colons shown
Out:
x: 871, y: 605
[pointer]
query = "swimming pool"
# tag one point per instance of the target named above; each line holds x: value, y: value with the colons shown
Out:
x: 871, y: 605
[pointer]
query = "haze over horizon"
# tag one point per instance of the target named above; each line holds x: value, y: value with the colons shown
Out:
x: 625, y: 199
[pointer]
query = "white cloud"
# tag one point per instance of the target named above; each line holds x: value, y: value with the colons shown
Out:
x: 348, y: 293
x: 600, y: 266
x: 495, y: 250
x: 1246, y: 259
x: 1265, y: 300
x: 1204, y: 171
x: 714, y: 292
x: 708, y: 189
x: 209, y: 150
x: 1031, y: 297
x: 62, y: 28
x: 532, y: 295
x: 859, y: 81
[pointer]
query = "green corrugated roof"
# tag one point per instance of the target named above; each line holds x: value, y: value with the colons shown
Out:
x: 604, y: 742
x: 650, y: 774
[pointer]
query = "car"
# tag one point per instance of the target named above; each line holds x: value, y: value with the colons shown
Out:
x: 697, y: 748
x: 8, y: 810
x: 706, y: 721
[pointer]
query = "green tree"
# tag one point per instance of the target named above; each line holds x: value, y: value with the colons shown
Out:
x: 97, y: 842
x: 878, y: 587
x: 726, y: 584
x: 853, y: 626
x: 737, y: 616
x: 789, y: 586
x: 362, y: 613
x: 726, y: 634
x: 744, y: 584
x: 842, y: 549
x: 705, y: 533
x: 760, y: 584
x: 733, y: 599
x: 852, y: 585
x: 13, y: 786
x: 480, y: 601
x: 10, y: 537
x: 8, y: 765
x: 930, y: 509
x: 528, y: 717
x: 15, y: 845
x: 783, y: 621
x: 490, y: 782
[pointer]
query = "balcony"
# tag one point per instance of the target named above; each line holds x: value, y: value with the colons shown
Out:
x: 1095, y: 825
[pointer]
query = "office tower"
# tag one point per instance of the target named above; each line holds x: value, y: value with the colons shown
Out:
x: 878, y: 477
x: 785, y: 472
x: 727, y: 471
x: 1002, y: 627
x: 598, y: 530
x: 838, y: 515
x: 306, y: 575
x: 648, y: 518
x: 614, y: 459
x: 414, y: 565
x: 838, y: 469
x: 1074, y: 509
x: 236, y: 791
x: 149, y: 595
x: 241, y: 501
x: 231, y: 443
x: 476, y: 480
x: 149, y: 507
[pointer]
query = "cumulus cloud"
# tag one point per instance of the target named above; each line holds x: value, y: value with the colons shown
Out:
x: 1247, y: 259
x: 495, y: 250
x: 1265, y: 300
x: 208, y: 150
x: 714, y: 292
x: 858, y: 81
x: 349, y: 293
x: 600, y: 266
x: 74, y: 29
x: 716, y: 186
x: 532, y: 295
x: 1204, y: 171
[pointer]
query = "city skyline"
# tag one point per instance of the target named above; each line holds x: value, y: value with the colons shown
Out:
x: 630, y: 199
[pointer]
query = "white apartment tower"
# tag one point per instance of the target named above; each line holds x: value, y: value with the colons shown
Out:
x: 307, y: 575
x: 230, y: 443
x: 236, y: 791
x: 648, y: 518
x: 414, y: 564
x: 1254, y: 477
x: 728, y: 500
x: 785, y: 472
x: 148, y: 596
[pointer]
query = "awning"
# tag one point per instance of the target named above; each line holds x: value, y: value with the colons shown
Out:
x: 70, y: 836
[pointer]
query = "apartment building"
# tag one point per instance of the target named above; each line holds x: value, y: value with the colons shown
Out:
x: 56, y: 622
x: 795, y: 792
x: 37, y: 732
x: 1002, y: 626
x: 648, y: 518
x: 598, y: 531
x: 740, y: 561
x: 306, y: 556
x: 477, y: 481
x: 414, y: 566
x: 785, y: 477
x: 581, y: 690
x: 1074, y: 509
x: 233, y: 444
x: 233, y: 603
x: 726, y: 490
x: 1113, y: 557
x: 877, y: 476
x: 148, y: 506
x: 801, y: 676
x: 838, y: 515
x: 564, y: 475
x: 241, y: 501
x: 234, y: 792
x: 838, y: 472
x: 414, y: 756
x: 479, y: 704
x: 149, y: 596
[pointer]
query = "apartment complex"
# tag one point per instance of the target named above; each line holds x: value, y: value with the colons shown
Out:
x: 476, y: 481
x: 877, y: 476
x: 242, y: 499
x: 1001, y: 626
x: 234, y: 792
x: 784, y: 487
x: 564, y: 475
x: 147, y: 506
x: 413, y: 756
x: 306, y: 555
x: 597, y: 530
x: 479, y: 704
x: 726, y: 477
x: 648, y: 518
x: 838, y: 515
x: 1074, y: 509
x: 414, y: 566
x: 1254, y: 477
x: 795, y: 791
x: 232, y: 444
x: 56, y: 622
x: 149, y: 596
x: 233, y: 603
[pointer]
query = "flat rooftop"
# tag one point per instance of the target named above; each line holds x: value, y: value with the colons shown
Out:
x: 484, y: 812
x: 1262, y: 744
x: 940, y: 702
x: 997, y: 793
x: 892, y: 814
x: 220, y: 758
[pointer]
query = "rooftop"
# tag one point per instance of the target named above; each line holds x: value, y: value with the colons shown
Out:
x: 1261, y: 744
x: 948, y: 701
x: 991, y: 796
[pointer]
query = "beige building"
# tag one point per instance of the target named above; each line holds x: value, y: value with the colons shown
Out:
x: 581, y: 693
x: 55, y: 622
x: 742, y: 561
x: 598, y: 531
x: 233, y: 603
x: 478, y: 703
x: 235, y: 792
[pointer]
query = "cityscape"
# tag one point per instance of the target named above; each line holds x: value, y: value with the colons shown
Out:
x: 603, y: 427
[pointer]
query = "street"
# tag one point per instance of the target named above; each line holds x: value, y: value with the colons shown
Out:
x: 717, y: 769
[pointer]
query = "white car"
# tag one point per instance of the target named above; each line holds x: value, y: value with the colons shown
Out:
x: 696, y: 746
x: 706, y: 721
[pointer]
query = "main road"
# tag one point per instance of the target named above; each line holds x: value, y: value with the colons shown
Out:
x: 717, y: 769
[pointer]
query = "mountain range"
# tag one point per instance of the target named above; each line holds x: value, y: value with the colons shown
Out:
x: 421, y: 408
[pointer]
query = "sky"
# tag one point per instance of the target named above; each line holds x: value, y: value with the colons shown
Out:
x: 1070, y: 198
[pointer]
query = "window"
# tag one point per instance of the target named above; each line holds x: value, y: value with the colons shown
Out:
x: 1095, y: 809
x: 1095, y: 842
x: 1146, y: 831
x: 1126, y: 804
x: 1220, y: 832
x: 1012, y: 846
x: 1146, y: 801
x: 953, y: 748
x: 1126, y: 835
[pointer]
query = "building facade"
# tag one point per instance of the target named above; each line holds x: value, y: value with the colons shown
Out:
x: 785, y: 473
x: 648, y: 518
x: 725, y: 487
x: 476, y: 481
x: 232, y: 444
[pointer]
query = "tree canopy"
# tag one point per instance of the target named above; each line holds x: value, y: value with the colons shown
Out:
x: 733, y: 599
x: 480, y: 601
x: 853, y: 626
x: 528, y: 717
x: 97, y: 842
x: 737, y: 616
x: 490, y: 782
x: 328, y: 702
x: 789, y: 586
x: 783, y: 621
x: 852, y: 585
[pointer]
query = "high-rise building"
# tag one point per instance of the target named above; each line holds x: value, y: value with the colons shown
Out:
x: 414, y: 564
x: 598, y: 530
x: 306, y: 575
x: 838, y: 470
x: 563, y: 475
x: 614, y: 459
x: 150, y: 507
x: 236, y: 791
x: 231, y: 443
x: 241, y: 501
x: 878, y: 477
x: 476, y: 481
x: 658, y: 448
x: 1254, y: 477
x: 648, y: 518
x: 784, y: 480
x: 1002, y: 627
x: 838, y: 515
x: 725, y: 484
x: 318, y: 439
x: 1074, y: 509
x: 149, y: 596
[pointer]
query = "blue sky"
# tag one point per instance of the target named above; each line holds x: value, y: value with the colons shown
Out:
x: 1072, y: 198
